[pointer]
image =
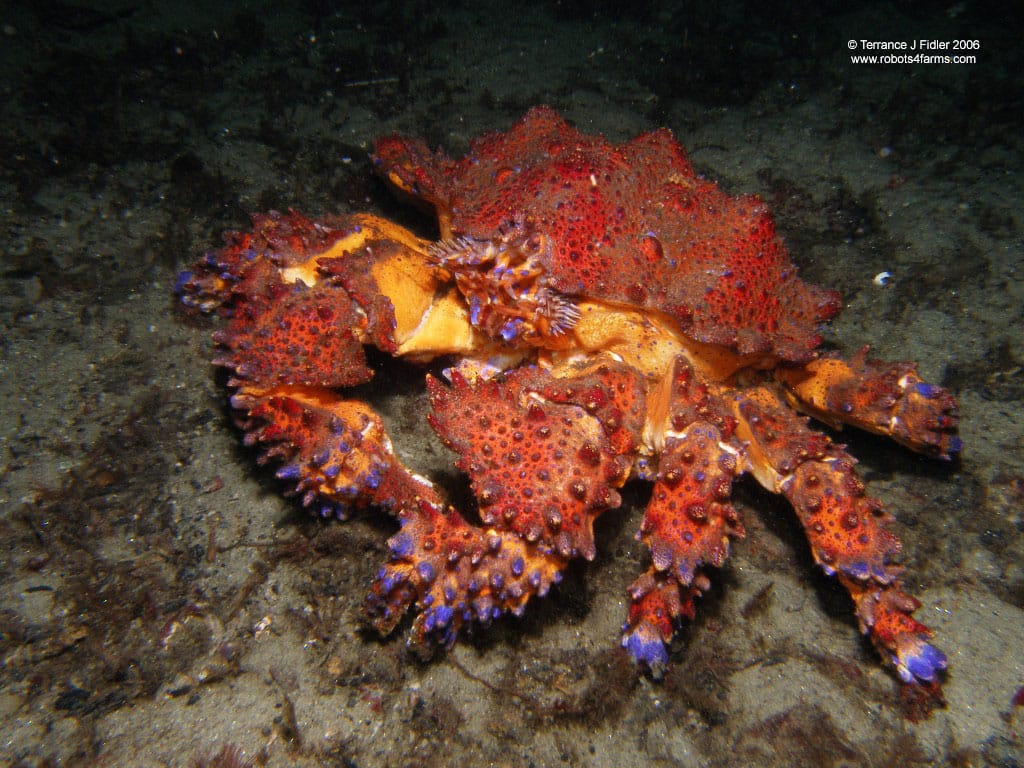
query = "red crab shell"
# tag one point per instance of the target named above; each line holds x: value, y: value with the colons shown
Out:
x: 631, y: 223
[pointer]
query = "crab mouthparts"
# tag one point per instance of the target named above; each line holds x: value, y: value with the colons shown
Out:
x: 505, y: 285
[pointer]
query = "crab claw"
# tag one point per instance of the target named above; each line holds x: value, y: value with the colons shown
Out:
x: 540, y: 469
x: 688, y: 522
x: 542, y: 472
x: 925, y: 418
x: 293, y: 334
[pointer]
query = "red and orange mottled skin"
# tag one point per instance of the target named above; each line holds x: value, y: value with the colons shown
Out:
x: 630, y: 224
x: 605, y: 314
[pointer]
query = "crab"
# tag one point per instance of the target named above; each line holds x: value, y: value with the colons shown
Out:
x: 592, y: 313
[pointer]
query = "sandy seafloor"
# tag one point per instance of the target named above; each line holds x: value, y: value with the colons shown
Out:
x: 160, y: 600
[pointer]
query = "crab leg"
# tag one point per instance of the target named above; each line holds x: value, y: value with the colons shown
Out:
x: 333, y: 452
x: 687, y: 524
x: 885, y: 398
x: 688, y: 521
x: 847, y: 529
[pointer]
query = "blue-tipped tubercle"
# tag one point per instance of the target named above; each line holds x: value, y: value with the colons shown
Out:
x: 645, y: 646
